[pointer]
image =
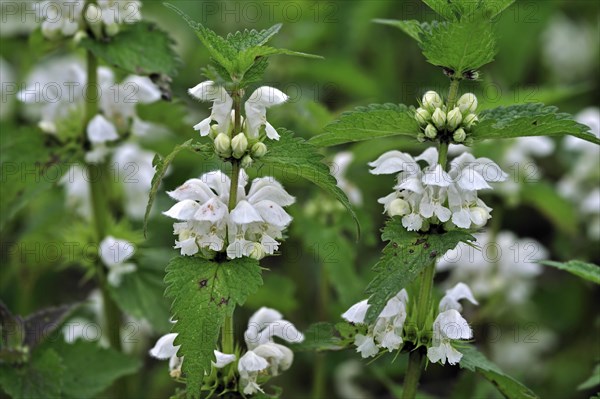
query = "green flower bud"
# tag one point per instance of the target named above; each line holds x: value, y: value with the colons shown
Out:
x: 93, y: 16
x: 112, y: 29
x: 79, y: 36
x: 422, y: 116
x: 454, y: 119
x: 257, y: 252
x: 246, y: 161
x: 420, y: 137
x: 223, y: 145
x: 398, y: 207
x: 258, y: 150
x: 432, y: 100
x: 459, y: 135
x: 470, y: 120
x: 239, y: 145
x: 430, y: 131
x: 439, y: 119
x: 467, y: 103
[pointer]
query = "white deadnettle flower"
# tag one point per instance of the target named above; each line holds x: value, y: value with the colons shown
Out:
x: 56, y: 92
x: 253, y: 226
x: 449, y: 325
x: 77, y: 191
x: 114, y: 253
x: 165, y: 349
x: 339, y: 166
x: 222, y: 110
x: 60, y: 18
x: 434, y: 194
x: 386, y: 332
x: 505, y: 266
x: 264, y: 355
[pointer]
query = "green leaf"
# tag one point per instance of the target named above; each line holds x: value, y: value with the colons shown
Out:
x: 92, y: 369
x: 319, y: 337
x: 412, y: 27
x: 42, y: 377
x: 204, y: 292
x: 445, y: 8
x: 404, y: 258
x: 587, y: 271
x: 295, y: 156
x: 460, y: 46
x: 239, y: 51
x: 31, y: 164
x: 162, y: 164
x: 458, y: 9
x: 140, y: 294
x: 533, y: 119
x: 365, y: 123
x: 141, y: 48
x: 474, y: 361
x: 593, y: 381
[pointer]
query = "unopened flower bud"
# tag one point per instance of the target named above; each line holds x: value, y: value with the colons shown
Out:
x: 459, y: 135
x: 454, y: 119
x: 470, y: 120
x: 93, y: 16
x: 258, y: 150
x: 112, y: 29
x: 223, y: 145
x: 399, y: 207
x: 422, y: 116
x: 432, y: 100
x: 257, y: 251
x: 421, y: 137
x: 239, y: 145
x: 439, y: 118
x: 246, y: 161
x: 467, y: 103
x: 79, y: 36
x: 430, y: 131
x: 479, y: 216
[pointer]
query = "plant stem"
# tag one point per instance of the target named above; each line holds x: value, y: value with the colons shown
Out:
x: 417, y: 356
x: 98, y: 174
x: 319, y: 371
x: 227, y: 336
x: 453, y: 94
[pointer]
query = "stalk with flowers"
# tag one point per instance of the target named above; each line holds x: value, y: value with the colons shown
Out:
x: 436, y: 202
x: 224, y: 230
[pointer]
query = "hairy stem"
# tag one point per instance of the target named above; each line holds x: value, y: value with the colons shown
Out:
x: 452, y: 94
x: 227, y: 338
x: 319, y: 371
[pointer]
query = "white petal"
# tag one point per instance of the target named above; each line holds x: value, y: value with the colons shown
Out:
x: 461, y: 218
x: 114, y: 251
x: 365, y: 345
x: 203, y: 127
x: 100, y: 130
x: 252, y: 362
x: 430, y: 156
x: 164, y: 348
x: 273, y: 213
x: 450, y: 324
x: 436, y: 177
x: 412, y: 222
x: 244, y: 213
x: 145, y: 91
x: 183, y: 210
x: 357, y: 312
x: 267, y: 97
x: 393, y: 162
x: 188, y: 247
x: 212, y: 211
x: 223, y: 359
x: 471, y: 180
x: 266, y: 188
x: 271, y: 132
x: 193, y: 189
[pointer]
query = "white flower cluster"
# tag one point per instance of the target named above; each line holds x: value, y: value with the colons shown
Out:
x: 388, y: 330
x: 251, y: 229
x: 505, y: 265
x: 58, y: 88
x: 432, y: 195
x: 264, y: 357
x: 451, y: 125
x: 246, y: 144
x: 66, y: 18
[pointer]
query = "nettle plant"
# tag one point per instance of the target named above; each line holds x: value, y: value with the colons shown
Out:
x: 224, y: 230
x: 435, y: 202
